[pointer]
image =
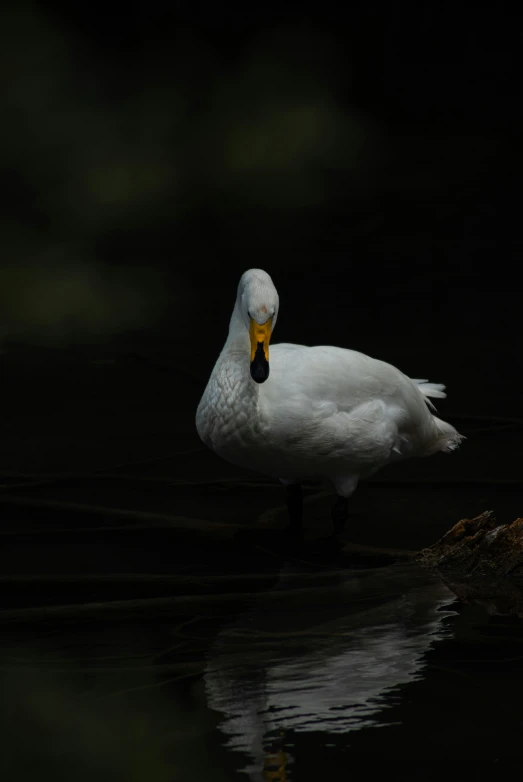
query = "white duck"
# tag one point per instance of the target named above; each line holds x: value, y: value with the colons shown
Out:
x: 323, y: 413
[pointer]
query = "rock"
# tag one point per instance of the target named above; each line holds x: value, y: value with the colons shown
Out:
x: 481, y: 561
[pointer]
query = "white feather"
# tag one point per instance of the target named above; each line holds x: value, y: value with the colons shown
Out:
x: 435, y: 390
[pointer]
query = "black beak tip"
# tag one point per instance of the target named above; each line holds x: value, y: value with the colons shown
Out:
x: 259, y: 366
x: 259, y: 372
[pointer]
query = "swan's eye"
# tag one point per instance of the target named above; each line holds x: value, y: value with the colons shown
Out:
x: 249, y: 314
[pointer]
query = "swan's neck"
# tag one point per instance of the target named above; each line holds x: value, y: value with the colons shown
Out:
x: 233, y: 373
x: 228, y: 413
x: 238, y: 341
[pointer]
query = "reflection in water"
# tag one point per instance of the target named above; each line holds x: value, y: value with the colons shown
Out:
x: 321, y: 658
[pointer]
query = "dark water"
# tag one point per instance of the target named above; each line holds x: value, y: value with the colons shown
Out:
x: 319, y: 673
x: 131, y: 652
x: 155, y: 626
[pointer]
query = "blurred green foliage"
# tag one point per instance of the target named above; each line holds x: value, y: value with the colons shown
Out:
x: 65, y: 719
x: 123, y: 161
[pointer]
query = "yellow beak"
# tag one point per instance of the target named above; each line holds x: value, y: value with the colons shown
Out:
x: 260, y: 335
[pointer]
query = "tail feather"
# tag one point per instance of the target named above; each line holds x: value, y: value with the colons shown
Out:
x: 447, y: 437
x: 431, y: 389
x: 434, y: 390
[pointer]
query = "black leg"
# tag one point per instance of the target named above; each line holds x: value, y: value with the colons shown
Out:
x: 340, y: 513
x: 295, y: 507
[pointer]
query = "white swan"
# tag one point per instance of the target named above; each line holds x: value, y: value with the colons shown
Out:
x: 322, y: 413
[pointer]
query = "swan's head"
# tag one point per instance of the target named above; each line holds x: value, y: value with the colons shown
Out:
x: 258, y: 304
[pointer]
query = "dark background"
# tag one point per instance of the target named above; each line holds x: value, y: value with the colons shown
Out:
x: 369, y: 159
